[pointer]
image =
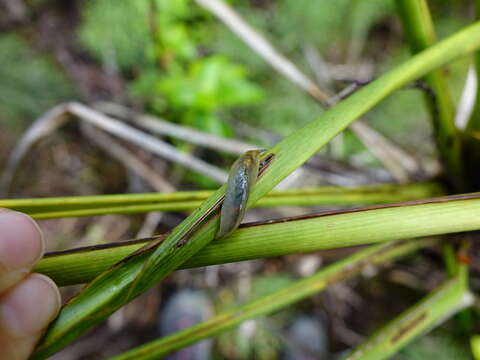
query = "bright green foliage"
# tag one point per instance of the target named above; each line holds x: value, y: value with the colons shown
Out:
x: 160, y: 41
x: 211, y: 81
x: 195, y: 92
x: 173, y: 38
x: 30, y: 83
x: 124, y: 32
x: 176, y: 41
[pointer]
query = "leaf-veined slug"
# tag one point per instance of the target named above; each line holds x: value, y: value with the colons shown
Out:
x: 241, y: 178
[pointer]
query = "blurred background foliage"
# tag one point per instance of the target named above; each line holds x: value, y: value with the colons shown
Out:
x: 437, y: 345
x: 179, y: 62
x: 24, y: 75
x: 173, y: 59
x: 162, y: 45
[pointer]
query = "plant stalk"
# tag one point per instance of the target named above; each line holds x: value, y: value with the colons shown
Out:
x: 420, y: 33
x: 74, y: 206
x: 473, y: 124
x: 295, y: 235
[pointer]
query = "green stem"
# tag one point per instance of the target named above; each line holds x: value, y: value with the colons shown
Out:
x: 298, y: 235
x: 473, y: 125
x: 472, y: 131
x: 74, y: 206
x: 450, y: 258
x: 437, y: 307
x: 301, y: 289
x: 420, y: 33
x: 115, y: 287
x: 475, y: 345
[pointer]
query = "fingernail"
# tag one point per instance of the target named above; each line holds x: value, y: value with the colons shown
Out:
x: 29, y: 307
x: 21, y: 242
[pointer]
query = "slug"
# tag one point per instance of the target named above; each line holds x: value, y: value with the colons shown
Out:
x: 241, y: 178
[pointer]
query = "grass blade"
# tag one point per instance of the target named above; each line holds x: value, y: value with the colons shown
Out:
x: 74, y: 206
x: 297, y: 235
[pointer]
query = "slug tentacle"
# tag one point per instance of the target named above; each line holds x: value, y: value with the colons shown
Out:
x: 241, y: 178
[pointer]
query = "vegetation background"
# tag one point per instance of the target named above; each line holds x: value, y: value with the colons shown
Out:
x: 175, y: 60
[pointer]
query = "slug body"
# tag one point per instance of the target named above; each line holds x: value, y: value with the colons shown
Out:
x: 241, y: 178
